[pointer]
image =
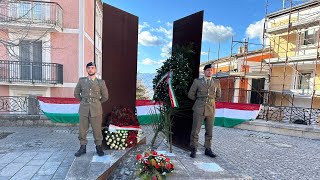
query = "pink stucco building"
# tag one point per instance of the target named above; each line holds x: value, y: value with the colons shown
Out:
x: 45, y: 45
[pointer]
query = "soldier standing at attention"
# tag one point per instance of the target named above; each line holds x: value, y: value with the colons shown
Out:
x: 203, y: 91
x: 91, y: 92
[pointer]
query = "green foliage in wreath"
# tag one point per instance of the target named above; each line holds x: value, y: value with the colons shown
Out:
x: 181, y: 65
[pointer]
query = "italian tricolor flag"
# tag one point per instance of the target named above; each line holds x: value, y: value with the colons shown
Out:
x: 144, y: 110
x: 231, y: 114
x: 60, y: 110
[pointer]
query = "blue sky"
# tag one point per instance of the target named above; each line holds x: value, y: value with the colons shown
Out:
x: 222, y: 20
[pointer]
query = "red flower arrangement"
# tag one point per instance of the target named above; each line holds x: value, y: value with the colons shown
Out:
x: 132, y: 139
x: 123, y: 117
x: 151, y: 165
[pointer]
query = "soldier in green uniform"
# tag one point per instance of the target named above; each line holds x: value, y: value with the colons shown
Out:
x: 203, y: 91
x: 91, y: 92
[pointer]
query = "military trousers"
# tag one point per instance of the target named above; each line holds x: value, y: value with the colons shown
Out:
x: 96, y: 123
x: 196, y: 126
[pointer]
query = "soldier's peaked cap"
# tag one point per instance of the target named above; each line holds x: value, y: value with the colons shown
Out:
x: 91, y: 64
x: 207, y: 66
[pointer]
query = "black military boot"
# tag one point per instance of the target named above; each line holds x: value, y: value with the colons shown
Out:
x: 209, y: 152
x: 99, y: 151
x: 81, y: 151
x: 193, y: 152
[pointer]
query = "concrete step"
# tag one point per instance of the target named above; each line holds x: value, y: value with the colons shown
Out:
x: 283, y: 128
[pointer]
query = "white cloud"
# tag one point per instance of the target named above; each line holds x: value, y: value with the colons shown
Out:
x: 255, y: 30
x: 166, y: 32
x: 204, y: 53
x: 159, y: 21
x: 145, y: 38
x: 169, y: 24
x: 216, y: 33
x: 143, y: 26
x: 148, y: 61
x: 166, y: 50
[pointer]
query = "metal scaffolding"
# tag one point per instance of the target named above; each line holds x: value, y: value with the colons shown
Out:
x: 290, y: 72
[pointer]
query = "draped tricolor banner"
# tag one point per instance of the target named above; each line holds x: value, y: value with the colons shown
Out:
x: 231, y: 114
x: 65, y: 110
x: 144, y: 110
x: 60, y: 110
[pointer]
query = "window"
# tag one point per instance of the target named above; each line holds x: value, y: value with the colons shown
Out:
x: 309, y: 36
x: 31, y: 60
x: 38, y: 12
x: 35, y: 11
x: 24, y: 10
x: 304, y: 81
x: 31, y: 51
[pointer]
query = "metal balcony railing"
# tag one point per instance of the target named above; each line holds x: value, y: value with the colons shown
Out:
x: 32, y: 72
x: 31, y: 13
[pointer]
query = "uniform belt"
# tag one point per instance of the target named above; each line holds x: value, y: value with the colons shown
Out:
x: 90, y: 100
x: 205, y: 99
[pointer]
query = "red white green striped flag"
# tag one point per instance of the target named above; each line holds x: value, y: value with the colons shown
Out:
x: 60, y: 110
x: 231, y: 114
x: 168, y: 79
x: 144, y: 110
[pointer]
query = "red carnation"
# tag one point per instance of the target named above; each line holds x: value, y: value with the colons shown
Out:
x: 167, y: 159
x: 139, y: 156
x: 169, y: 166
x: 154, y: 153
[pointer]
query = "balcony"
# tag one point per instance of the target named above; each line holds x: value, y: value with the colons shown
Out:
x: 301, y: 23
x: 30, y: 72
x: 34, y: 15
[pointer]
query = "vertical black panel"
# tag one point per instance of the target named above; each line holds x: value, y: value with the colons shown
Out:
x: 186, y: 31
x: 119, y: 57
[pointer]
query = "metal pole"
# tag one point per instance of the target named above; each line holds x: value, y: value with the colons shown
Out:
x: 287, y: 49
x: 94, y: 31
x: 315, y: 74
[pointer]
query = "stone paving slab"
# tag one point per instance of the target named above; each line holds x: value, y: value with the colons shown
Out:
x: 27, y: 172
x: 25, y: 157
x: 201, y: 167
x: 61, y: 172
x: 37, y: 152
x: 240, y: 153
x: 11, y: 169
x: 91, y: 166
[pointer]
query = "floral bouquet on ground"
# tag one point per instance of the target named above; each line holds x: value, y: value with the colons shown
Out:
x: 124, y: 129
x: 117, y: 140
x: 152, y: 165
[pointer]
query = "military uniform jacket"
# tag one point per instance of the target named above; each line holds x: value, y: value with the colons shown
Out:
x: 91, y: 94
x: 204, y: 95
